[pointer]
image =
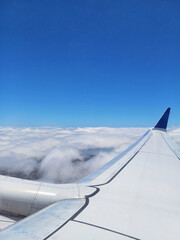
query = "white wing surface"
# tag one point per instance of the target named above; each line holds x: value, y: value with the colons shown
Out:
x: 44, y: 223
x: 136, y: 196
x: 6, y: 221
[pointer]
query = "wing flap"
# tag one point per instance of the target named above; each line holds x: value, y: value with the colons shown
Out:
x: 8, y: 220
x: 78, y: 230
x: 43, y: 223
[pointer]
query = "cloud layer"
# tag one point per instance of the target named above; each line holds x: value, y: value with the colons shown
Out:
x: 63, y: 155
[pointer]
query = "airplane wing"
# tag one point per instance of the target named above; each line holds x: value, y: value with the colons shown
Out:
x: 7, y: 220
x: 136, y: 196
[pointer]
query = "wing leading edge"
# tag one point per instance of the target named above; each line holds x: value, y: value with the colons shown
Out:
x: 137, y: 197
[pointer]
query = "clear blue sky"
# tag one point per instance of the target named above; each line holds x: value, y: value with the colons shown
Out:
x: 89, y: 62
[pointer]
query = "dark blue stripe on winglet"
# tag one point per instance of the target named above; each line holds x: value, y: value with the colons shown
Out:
x: 162, y: 124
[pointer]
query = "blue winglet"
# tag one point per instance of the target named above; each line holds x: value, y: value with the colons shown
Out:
x: 162, y: 124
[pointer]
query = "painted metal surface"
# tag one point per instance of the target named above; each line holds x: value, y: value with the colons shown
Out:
x: 162, y: 123
x: 106, y: 172
x: 24, y: 197
x: 8, y: 220
x: 141, y: 202
x: 44, y: 223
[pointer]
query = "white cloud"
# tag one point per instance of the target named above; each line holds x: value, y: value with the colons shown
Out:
x: 63, y: 155
x: 175, y: 134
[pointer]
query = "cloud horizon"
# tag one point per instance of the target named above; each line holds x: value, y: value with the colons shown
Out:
x: 63, y: 155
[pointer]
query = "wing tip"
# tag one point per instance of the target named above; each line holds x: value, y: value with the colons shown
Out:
x: 162, y: 123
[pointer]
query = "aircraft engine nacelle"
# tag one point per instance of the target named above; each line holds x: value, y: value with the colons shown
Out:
x: 24, y: 197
